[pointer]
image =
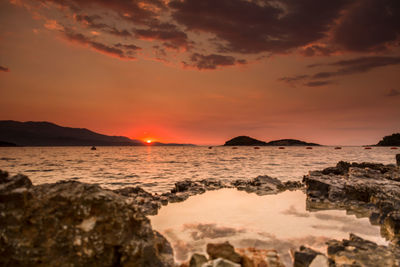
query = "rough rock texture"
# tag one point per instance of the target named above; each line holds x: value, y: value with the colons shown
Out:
x: 265, y: 185
x: 352, y: 252
x: 197, y: 260
x: 224, y: 254
x: 366, y: 189
x: 304, y: 256
x: 74, y: 224
x: 360, y: 252
x: 223, y: 250
x: 398, y: 159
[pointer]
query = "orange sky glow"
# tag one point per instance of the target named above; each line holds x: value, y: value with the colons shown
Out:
x: 202, y: 72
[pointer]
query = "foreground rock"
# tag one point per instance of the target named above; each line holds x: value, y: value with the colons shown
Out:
x: 352, y: 252
x: 365, y: 189
x: 225, y: 255
x: 265, y: 185
x: 74, y: 224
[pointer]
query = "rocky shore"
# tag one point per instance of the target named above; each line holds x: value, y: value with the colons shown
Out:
x: 75, y: 224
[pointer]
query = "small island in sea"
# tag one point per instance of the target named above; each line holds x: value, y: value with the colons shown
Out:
x: 249, y: 141
x: 390, y: 140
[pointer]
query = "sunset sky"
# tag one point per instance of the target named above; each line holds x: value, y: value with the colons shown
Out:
x: 204, y: 71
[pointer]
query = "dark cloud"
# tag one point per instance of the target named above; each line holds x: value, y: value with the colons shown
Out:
x: 357, y: 65
x: 100, y: 47
x: 4, y: 69
x: 223, y: 28
x: 393, y: 92
x: 137, y: 11
x: 369, y: 25
x: 165, y: 32
x: 130, y: 46
x: 210, y: 62
x: 318, y: 83
x: 259, y: 26
x: 120, y: 33
x: 343, y: 68
x: 91, y: 21
x: 316, y: 50
x: 293, y: 78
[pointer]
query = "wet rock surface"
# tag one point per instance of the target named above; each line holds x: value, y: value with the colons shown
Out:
x: 74, y: 224
x: 365, y: 189
x: 265, y: 185
x: 224, y: 254
x: 354, y: 251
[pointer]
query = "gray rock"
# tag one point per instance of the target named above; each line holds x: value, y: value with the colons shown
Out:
x: 366, y: 189
x: 360, y: 252
x: 265, y: 185
x: 74, y: 224
x: 197, y: 260
x: 304, y: 257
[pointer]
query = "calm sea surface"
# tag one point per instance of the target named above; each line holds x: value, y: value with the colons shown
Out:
x: 156, y: 169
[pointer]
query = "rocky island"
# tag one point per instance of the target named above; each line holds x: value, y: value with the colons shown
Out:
x: 248, y: 141
x: 390, y: 140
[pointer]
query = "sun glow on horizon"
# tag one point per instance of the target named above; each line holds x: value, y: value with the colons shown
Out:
x: 148, y: 141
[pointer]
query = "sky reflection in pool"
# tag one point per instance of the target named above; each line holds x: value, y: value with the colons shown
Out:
x: 278, y: 222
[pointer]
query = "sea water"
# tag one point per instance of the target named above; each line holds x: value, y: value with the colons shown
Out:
x: 156, y: 169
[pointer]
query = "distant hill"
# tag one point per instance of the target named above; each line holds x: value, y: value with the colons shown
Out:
x: 244, y: 141
x: 390, y: 140
x: 49, y: 134
x: 3, y: 144
x: 248, y: 141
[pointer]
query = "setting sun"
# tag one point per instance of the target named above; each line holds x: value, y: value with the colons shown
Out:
x: 148, y: 141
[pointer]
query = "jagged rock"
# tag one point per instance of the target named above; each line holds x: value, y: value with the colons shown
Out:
x: 149, y: 204
x: 74, y: 224
x: 304, y: 257
x: 366, y: 189
x: 223, y: 250
x: 264, y: 185
x: 398, y: 159
x: 253, y: 257
x: 360, y: 252
x: 197, y: 260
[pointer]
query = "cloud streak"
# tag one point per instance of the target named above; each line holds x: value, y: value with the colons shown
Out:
x: 213, y: 61
x: 343, y: 68
x: 114, y: 51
